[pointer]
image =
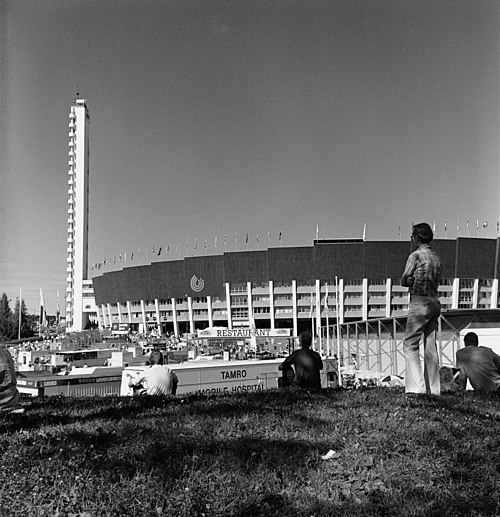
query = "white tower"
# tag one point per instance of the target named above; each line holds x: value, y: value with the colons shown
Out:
x: 78, y: 211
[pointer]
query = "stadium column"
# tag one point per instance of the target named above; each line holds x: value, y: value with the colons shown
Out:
x: 475, y: 293
x: 455, y: 293
x: 364, y: 311
x: 110, y: 318
x: 494, y: 294
x: 228, y: 306
x: 294, y: 307
x: 144, y: 323
x: 209, y: 309
x: 157, y: 310
x: 190, y: 310
x: 251, y: 319
x: 388, y: 297
x: 271, y: 304
x: 129, y: 310
x: 101, y: 316
x: 341, y: 299
x: 174, y: 316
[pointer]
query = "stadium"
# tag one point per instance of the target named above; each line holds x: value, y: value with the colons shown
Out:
x: 290, y: 287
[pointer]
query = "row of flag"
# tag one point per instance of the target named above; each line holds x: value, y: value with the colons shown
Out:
x: 158, y: 251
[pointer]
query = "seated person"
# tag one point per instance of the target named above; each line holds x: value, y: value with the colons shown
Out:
x: 158, y: 379
x: 479, y: 364
x: 9, y: 396
x: 447, y: 379
x: 306, y: 362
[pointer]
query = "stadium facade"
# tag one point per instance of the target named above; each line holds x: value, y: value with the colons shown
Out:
x: 291, y: 287
x: 278, y: 288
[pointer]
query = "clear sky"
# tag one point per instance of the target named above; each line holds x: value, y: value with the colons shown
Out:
x: 212, y: 118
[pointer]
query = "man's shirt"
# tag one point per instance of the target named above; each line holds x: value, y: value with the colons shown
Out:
x: 424, y: 265
x: 307, y: 365
x: 157, y: 380
x: 481, y: 366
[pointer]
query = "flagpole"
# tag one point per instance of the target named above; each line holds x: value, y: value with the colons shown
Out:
x: 19, y: 325
x: 338, y: 329
x: 312, y: 317
x: 327, y: 321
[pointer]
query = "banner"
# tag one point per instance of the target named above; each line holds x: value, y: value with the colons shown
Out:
x: 243, y: 333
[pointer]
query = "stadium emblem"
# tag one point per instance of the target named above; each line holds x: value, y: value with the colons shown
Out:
x: 197, y: 284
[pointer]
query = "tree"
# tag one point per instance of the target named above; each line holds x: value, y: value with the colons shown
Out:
x: 6, y: 326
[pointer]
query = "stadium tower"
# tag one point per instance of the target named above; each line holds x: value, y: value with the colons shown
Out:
x: 78, y: 287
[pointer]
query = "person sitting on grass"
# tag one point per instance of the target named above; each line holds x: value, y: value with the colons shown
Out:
x: 9, y: 395
x: 479, y: 364
x: 158, y: 379
x: 306, y: 362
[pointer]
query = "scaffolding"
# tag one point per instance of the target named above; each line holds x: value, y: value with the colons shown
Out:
x: 377, y: 344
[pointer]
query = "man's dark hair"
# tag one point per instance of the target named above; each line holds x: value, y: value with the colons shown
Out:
x: 156, y: 357
x: 305, y: 339
x: 423, y: 233
x: 471, y: 339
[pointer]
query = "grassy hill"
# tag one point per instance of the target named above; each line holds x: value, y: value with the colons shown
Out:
x: 250, y: 455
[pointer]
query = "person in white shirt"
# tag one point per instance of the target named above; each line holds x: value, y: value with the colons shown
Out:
x: 158, y: 379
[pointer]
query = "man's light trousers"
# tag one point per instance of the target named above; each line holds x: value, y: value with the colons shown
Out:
x: 423, y: 315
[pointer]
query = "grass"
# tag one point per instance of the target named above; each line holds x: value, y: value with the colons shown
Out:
x: 250, y: 455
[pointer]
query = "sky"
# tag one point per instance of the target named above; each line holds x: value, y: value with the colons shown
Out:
x: 223, y: 118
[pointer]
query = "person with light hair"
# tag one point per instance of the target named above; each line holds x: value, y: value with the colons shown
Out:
x: 158, y: 379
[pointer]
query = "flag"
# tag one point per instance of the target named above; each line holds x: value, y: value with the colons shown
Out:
x: 196, y: 243
x: 317, y: 232
x: 159, y: 251
x: 205, y: 243
x: 58, y: 312
x: 485, y: 224
x: 177, y: 247
x: 215, y: 242
x: 246, y: 240
x: 280, y: 235
x: 433, y: 226
x: 445, y: 225
x: 168, y: 247
x: 43, y: 312
x: 498, y: 226
x: 364, y: 232
x: 258, y: 238
x: 131, y: 255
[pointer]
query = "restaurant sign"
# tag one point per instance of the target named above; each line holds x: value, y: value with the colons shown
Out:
x: 243, y: 333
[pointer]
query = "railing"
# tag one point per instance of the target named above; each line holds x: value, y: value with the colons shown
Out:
x: 377, y: 344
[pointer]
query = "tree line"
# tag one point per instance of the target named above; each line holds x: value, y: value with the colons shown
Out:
x: 11, y: 326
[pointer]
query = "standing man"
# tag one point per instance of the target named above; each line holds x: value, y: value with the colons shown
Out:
x: 307, y: 364
x: 422, y: 275
x: 479, y: 364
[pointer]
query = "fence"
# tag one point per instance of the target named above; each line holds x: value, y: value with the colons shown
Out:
x: 377, y: 345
